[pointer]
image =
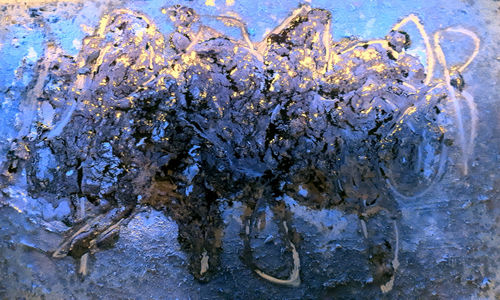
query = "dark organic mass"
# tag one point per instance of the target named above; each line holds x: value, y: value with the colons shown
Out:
x: 189, y: 122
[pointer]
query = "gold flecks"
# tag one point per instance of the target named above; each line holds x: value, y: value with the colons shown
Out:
x: 378, y: 68
x: 367, y: 111
x: 409, y: 111
x: 103, y: 24
x: 87, y: 29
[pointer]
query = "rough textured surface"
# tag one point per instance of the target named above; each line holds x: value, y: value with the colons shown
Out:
x: 250, y: 157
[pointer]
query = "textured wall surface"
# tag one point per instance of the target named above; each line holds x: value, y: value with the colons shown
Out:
x: 448, y: 238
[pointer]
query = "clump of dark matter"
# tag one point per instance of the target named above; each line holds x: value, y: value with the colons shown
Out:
x: 186, y: 122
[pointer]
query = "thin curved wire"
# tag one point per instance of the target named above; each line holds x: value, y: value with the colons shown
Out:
x: 437, y: 175
x: 467, y: 147
x: 428, y: 47
x: 293, y: 279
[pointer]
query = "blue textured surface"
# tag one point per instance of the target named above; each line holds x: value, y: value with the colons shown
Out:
x: 448, y: 234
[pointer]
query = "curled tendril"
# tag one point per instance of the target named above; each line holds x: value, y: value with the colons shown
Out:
x: 454, y: 94
x: 438, y: 174
x: 428, y: 48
